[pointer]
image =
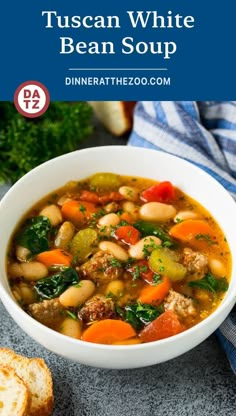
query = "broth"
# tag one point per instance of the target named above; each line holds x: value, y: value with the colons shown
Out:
x: 118, y: 260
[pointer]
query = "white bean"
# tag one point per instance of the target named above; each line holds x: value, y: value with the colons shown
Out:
x: 111, y: 207
x: 114, y: 249
x: 132, y: 209
x: 186, y: 215
x: 129, y: 193
x: 157, y: 211
x: 217, y: 267
x: 27, y: 294
x: 53, y: 213
x: 115, y: 287
x: 22, y: 253
x: 128, y: 206
x: 76, y: 295
x: 16, y: 294
x: 137, y: 251
x: 33, y: 270
x: 71, y: 328
x: 61, y: 201
x: 65, y: 234
x: 109, y: 220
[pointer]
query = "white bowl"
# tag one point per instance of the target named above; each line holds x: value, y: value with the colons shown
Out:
x: 127, y: 161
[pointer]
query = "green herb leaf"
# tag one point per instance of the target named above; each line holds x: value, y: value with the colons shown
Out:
x: 114, y: 262
x: 210, y: 283
x: 205, y: 237
x: 60, y: 130
x: 52, y: 286
x: 140, y: 314
x: 149, y: 228
x: 72, y: 315
x: 34, y: 234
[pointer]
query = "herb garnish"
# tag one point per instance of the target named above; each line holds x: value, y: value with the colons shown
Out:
x: 149, y: 228
x: 52, y: 286
x: 72, y: 315
x: 210, y: 283
x: 34, y: 234
x: 140, y: 314
x: 205, y: 237
x: 114, y: 262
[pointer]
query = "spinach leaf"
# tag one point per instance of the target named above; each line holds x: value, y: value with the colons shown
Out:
x: 149, y: 228
x: 140, y: 314
x: 52, y: 286
x: 34, y: 234
x: 210, y: 283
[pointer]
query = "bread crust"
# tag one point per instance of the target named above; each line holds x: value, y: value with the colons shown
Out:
x: 116, y: 116
x: 14, y: 394
x: 36, y: 376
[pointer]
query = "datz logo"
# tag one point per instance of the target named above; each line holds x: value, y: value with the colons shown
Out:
x: 142, y: 20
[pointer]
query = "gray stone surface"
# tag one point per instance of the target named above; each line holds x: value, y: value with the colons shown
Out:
x: 199, y: 383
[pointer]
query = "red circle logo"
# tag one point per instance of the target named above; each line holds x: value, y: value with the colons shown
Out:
x: 31, y: 99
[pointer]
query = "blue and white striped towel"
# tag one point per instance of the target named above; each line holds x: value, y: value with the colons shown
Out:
x: 202, y: 132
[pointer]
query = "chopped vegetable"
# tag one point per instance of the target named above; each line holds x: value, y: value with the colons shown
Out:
x: 112, y: 196
x: 127, y: 217
x: 52, y: 286
x: 162, y: 192
x: 55, y: 257
x: 149, y: 228
x: 105, y: 181
x: 210, y: 283
x: 192, y: 231
x: 34, y: 234
x: 156, y: 293
x: 89, y: 196
x: 79, y: 212
x: 165, y: 262
x: 82, y: 243
x: 165, y: 326
x: 140, y: 314
x: 108, y: 331
x: 127, y: 234
x: 141, y: 269
x: 26, y: 143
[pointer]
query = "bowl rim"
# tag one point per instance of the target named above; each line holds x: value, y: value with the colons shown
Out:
x: 7, y: 297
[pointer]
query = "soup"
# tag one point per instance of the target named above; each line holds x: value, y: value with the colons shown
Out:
x: 118, y: 260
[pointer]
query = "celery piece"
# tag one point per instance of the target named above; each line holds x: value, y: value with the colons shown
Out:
x: 82, y: 243
x: 105, y: 181
x: 165, y: 262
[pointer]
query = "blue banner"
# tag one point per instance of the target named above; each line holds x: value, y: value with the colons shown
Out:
x: 127, y: 50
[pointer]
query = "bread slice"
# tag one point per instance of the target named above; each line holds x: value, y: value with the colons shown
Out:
x: 117, y: 116
x: 37, y: 377
x: 14, y: 394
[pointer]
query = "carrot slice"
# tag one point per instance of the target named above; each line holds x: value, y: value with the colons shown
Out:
x: 55, y: 257
x: 195, y: 232
x: 155, y: 294
x: 126, y: 216
x: 108, y: 331
x: 78, y: 212
x: 165, y: 326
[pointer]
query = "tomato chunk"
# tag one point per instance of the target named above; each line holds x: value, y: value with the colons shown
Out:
x: 89, y: 197
x: 127, y: 234
x: 165, y: 326
x: 162, y: 192
x: 141, y: 269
